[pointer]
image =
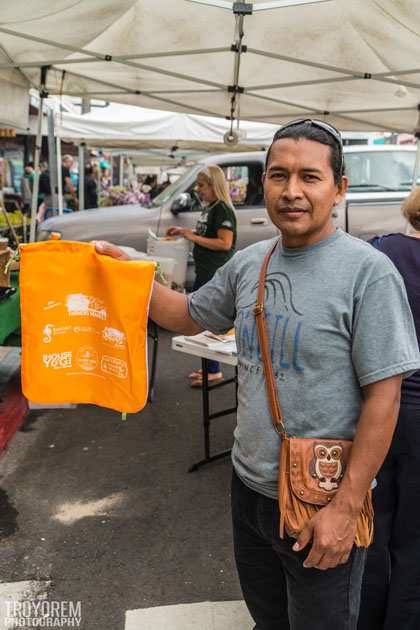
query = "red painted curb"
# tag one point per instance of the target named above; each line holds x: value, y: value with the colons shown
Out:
x: 13, y: 409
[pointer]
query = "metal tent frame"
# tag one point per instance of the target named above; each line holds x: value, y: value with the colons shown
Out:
x: 240, y: 11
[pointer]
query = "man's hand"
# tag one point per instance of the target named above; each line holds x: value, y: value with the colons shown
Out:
x: 332, y: 531
x: 108, y: 249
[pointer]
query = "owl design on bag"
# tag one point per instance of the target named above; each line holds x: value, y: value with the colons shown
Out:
x: 327, y: 465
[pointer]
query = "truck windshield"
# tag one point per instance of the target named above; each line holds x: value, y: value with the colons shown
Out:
x: 177, y: 186
x: 380, y: 170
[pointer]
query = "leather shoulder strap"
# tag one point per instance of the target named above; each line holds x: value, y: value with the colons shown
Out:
x: 270, y: 380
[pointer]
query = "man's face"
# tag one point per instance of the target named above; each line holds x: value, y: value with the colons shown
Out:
x: 300, y: 191
x: 67, y: 163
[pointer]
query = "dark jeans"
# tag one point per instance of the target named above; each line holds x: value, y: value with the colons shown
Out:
x: 391, y: 585
x: 212, y: 366
x: 279, y: 592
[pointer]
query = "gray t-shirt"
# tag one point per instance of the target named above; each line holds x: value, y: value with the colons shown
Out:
x: 337, y: 319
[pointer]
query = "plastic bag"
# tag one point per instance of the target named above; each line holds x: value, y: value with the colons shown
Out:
x: 84, y: 326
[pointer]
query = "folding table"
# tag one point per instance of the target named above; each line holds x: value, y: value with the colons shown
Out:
x: 183, y: 344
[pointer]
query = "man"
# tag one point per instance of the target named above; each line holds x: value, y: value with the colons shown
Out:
x: 69, y: 191
x: 342, y: 337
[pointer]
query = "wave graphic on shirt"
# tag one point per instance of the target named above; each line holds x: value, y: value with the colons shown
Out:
x: 277, y: 286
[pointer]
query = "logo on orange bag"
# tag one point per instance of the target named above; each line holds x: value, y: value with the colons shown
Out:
x: 85, y: 305
x: 114, y: 337
x: 58, y: 360
x: 87, y: 358
x: 112, y: 365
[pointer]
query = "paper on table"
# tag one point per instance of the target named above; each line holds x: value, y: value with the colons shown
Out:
x: 225, y: 344
x: 224, y: 347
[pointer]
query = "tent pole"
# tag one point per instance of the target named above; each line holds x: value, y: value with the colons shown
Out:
x: 121, y: 170
x: 59, y: 176
x: 42, y: 95
x: 154, y: 55
x: 99, y: 184
x: 52, y: 159
x: 82, y: 176
x: 130, y: 171
x: 35, y: 189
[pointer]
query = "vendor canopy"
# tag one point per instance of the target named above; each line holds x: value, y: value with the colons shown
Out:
x: 356, y: 63
x: 125, y: 126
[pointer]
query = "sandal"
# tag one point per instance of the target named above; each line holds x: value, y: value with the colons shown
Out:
x: 212, y: 378
x: 195, y: 375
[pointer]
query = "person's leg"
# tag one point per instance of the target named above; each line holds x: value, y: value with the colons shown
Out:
x: 403, y: 611
x: 261, y: 574
x: 322, y: 599
x: 213, y: 367
x: 377, y: 574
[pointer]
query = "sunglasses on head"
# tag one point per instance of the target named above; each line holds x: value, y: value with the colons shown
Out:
x: 320, y: 124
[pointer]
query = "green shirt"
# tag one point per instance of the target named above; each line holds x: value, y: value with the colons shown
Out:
x: 217, y: 216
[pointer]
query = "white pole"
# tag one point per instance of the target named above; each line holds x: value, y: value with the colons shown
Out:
x: 99, y: 183
x: 82, y: 176
x: 52, y: 159
x: 131, y: 177
x: 121, y: 170
x: 59, y: 176
x: 35, y: 189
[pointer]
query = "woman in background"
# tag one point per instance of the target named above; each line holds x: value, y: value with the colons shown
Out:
x: 391, y: 587
x: 214, y: 240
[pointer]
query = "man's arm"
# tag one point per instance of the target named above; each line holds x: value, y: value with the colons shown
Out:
x: 332, y: 529
x: 168, y: 308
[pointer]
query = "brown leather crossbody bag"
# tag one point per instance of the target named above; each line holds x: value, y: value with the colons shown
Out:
x: 310, y: 469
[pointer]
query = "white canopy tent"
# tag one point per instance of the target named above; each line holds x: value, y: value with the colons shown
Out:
x: 128, y: 127
x: 354, y: 63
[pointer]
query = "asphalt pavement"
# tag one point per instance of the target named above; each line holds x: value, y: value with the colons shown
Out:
x: 103, y: 511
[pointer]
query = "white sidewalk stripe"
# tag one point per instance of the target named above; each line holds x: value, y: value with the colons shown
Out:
x: 202, y: 616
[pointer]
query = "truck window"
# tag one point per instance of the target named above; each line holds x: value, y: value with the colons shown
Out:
x: 371, y: 171
x: 245, y: 184
x: 176, y: 187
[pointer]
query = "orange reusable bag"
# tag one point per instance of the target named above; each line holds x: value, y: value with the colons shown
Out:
x: 84, y: 326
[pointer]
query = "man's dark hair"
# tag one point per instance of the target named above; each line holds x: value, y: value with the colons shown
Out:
x: 29, y: 164
x: 311, y: 132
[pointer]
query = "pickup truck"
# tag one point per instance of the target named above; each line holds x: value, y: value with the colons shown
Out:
x: 380, y: 178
